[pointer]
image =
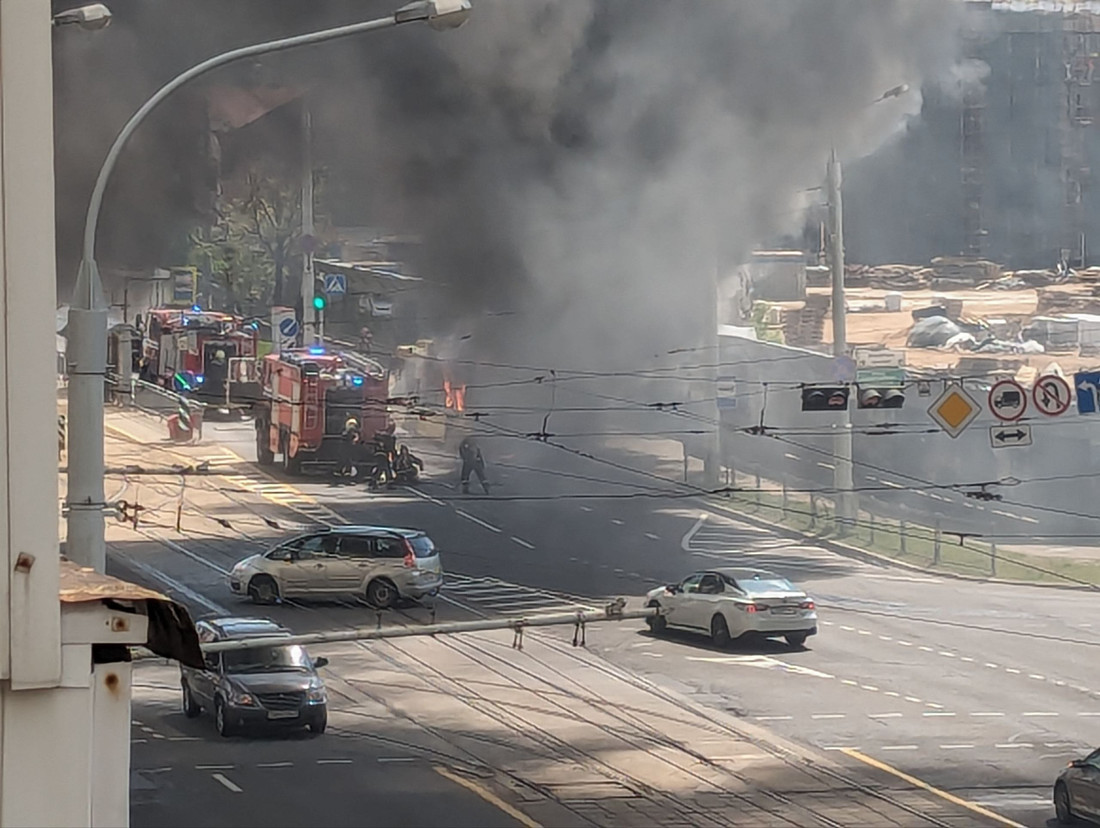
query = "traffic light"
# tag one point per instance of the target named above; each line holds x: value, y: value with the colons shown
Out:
x: 318, y: 302
x: 880, y: 397
x: 825, y: 398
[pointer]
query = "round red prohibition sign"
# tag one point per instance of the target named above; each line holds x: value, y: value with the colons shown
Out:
x: 1007, y: 400
x: 1051, y: 395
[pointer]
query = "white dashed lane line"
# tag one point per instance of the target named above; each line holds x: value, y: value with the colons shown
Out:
x: 522, y: 542
x: 477, y: 520
x: 651, y: 536
x: 220, y: 777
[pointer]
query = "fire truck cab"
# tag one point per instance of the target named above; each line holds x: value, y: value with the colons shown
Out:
x: 214, y: 353
x: 309, y: 394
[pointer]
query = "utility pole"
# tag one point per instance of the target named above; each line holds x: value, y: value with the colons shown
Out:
x: 846, y: 504
x: 309, y: 326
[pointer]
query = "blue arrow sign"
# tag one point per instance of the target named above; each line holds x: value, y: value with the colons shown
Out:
x: 289, y: 328
x: 336, y: 283
x: 1087, y: 384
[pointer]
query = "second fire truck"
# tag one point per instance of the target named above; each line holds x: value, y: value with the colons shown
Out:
x: 308, y: 395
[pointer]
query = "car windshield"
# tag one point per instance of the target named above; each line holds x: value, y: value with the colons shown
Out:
x: 289, y: 658
x: 762, y: 585
x: 423, y: 547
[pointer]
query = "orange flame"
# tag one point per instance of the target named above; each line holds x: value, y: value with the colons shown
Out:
x: 454, y: 396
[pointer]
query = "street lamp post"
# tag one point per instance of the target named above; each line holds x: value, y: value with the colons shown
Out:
x: 88, y: 312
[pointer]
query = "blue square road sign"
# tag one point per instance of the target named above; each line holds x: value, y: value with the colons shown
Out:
x: 336, y: 283
x: 1087, y: 385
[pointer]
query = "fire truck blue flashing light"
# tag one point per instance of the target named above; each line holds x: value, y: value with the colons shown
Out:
x: 316, y: 350
x: 200, y: 379
x: 357, y: 381
x: 197, y: 308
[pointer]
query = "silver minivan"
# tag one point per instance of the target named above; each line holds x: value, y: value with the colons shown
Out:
x: 379, y: 563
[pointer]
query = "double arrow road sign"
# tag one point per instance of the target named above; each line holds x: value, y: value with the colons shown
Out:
x: 1003, y: 436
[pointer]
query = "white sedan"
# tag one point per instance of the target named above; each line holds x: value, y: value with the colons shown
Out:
x: 735, y: 603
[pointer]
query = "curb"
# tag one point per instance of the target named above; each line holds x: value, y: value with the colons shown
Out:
x: 877, y: 559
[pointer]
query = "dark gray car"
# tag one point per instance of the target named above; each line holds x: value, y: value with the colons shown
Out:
x: 1077, y: 790
x: 266, y: 686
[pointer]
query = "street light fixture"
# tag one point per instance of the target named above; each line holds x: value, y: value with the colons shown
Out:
x: 88, y: 312
x: 93, y: 16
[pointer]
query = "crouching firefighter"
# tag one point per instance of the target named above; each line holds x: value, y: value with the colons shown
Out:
x: 407, y: 466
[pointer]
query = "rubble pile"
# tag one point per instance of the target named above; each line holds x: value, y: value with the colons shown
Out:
x: 805, y: 327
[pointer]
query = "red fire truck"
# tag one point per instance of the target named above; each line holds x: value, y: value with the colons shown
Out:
x: 309, y: 394
x: 212, y: 354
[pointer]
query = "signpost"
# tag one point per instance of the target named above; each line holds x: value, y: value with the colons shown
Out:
x: 1051, y: 395
x: 1005, y: 436
x: 726, y: 392
x: 954, y: 410
x: 1087, y: 384
x: 879, y: 358
x: 1007, y: 400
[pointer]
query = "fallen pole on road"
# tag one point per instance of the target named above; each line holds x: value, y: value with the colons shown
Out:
x: 612, y: 612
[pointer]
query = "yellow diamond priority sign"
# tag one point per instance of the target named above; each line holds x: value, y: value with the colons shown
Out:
x: 954, y: 409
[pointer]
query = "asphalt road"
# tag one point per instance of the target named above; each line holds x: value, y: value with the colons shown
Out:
x: 978, y: 689
x: 182, y: 774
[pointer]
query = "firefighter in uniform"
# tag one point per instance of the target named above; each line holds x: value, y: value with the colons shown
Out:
x: 349, y: 447
x: 473, y: 462
x: 407, y: 466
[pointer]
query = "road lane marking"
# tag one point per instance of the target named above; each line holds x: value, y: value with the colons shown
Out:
x: 900, y: 747
x: 214, y: 767
x: 1037, y: 677
x: 930, y: 713
x: 173, y: 584
x: 946, y: 654
x: 586, y: 508
x: 488, y: 796
x: 987, y: 714
x: 1012, y: 670
x: 864, y: 632
x: 893, y: 693
x: 685, y: 541
x: 1089, y: 713
x: 334, y: 761
x: 220, y: 777
x: 522, y: 542
x: 934, y: 705
x: 956, y: 747
x: 275, y: 765
x: 391, y: 759
x: 906, y: 643
x: 773, y: 718
x: 850, y: 682
x: 423, y: 496
x: 827, y: 465
x: 870, y: 687
x: 651, y: 536
x: 847, y: 629
x: 790, y: 456
x: 1008, y: 745
x: 885, y: 638
x: 992, y: 665
x: 913, y: 699
x: 616, y: 521
x: 912, y: 780
x: 892, y: 484
x: 477, y: 520
x: 827, y: 716
x: 925, y: 649
x: 885, y: 715
x: 1034, y: 713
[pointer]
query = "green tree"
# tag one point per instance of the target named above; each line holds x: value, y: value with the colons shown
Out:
x: 255, y: 239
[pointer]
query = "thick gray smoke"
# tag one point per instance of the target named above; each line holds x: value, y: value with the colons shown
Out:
x: 589, y: 165
x: 584, y: 165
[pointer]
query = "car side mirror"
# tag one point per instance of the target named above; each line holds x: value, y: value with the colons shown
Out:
x: 1077, y: 763
x: 673, y: 588
x: 320, y: 662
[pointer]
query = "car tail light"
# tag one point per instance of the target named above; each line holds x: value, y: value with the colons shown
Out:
x: 761, y: 607
x: 750, y: 608
x: 410, y: 557
x: 807, y: 605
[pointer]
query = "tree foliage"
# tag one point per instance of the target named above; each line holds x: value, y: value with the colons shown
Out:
x: 255, y: 241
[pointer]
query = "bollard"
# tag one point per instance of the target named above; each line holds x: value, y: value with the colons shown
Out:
x: 758, y: 491
x: 784, y: 500
x: 902, y: 529
x: 993, y: 560
x: 813, y: 511
x: 872, y: 522
x: 937, y: 541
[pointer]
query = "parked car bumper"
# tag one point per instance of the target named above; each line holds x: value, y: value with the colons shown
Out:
x: 257, y: 717
x: 777, y: 632
x: 429, y: 583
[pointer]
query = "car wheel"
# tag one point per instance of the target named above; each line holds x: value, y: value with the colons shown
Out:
x: 381, y: 593
x: 657, y: 623
x: 719, y: 631
x: 190, y: 707
x: 796, y: 640
x: 319, y: 723
x: 221, y: 719
x: 1062, y: 810
x: 263, y: 590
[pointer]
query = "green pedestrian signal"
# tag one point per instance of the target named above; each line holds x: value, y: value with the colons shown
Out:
x: 319, y: 302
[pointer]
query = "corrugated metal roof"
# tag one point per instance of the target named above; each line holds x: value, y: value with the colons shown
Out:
x: 81, y: 584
